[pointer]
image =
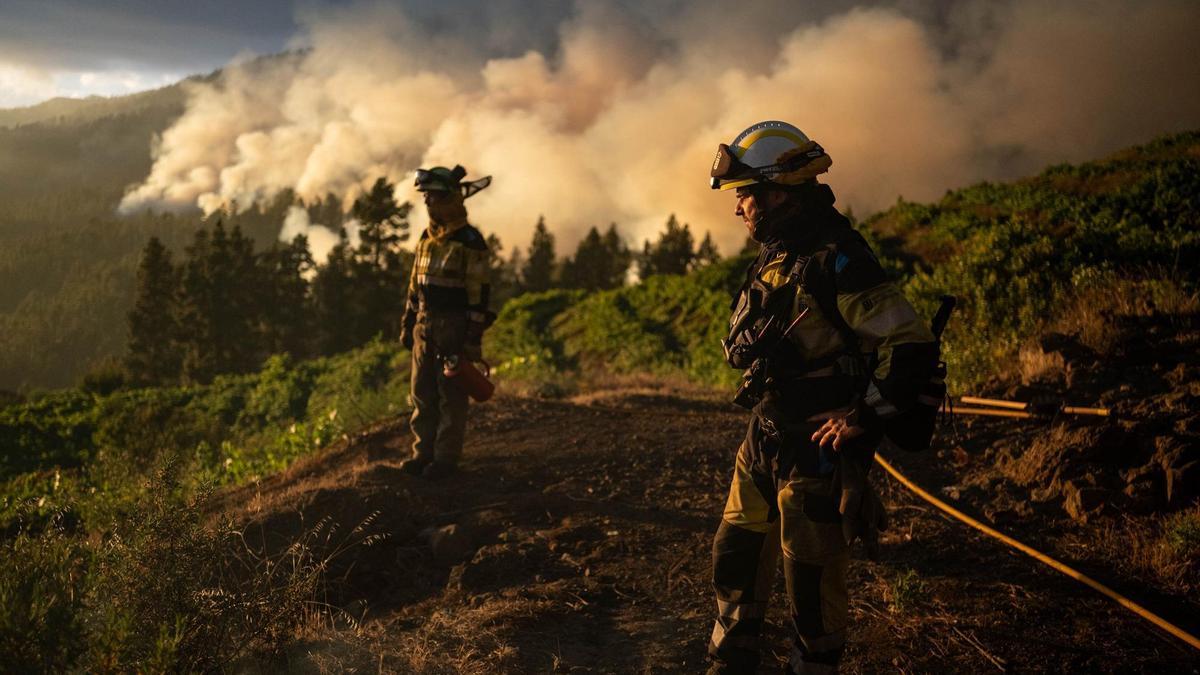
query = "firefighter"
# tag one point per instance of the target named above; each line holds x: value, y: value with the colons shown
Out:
x: 446, y: 315
x: 833, y: 351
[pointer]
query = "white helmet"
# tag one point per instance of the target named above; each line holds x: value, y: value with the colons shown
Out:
x: 768, y: 152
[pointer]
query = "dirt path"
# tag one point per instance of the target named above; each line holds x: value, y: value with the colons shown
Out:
x: 582, y: 545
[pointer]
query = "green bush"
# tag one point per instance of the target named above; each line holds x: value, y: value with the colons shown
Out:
x: 42, y: 579
x: 157, y: 591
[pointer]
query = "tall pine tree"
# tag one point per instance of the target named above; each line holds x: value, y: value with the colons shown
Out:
x: 619, y: 257
x: 537, y: 274
x: 673, y: 253
x: 153, y: 356
x: 218, y: 306
x: 333, y: 301
x: 379, y: 268
x: 286, y: 314
x: 588, y: 268
x: 599, y: 262
x: 707, y: 254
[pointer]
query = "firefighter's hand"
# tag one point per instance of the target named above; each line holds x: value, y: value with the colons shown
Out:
x: 837, y: 432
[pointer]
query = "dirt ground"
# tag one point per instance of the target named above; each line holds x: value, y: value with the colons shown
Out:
x: 581, y: 544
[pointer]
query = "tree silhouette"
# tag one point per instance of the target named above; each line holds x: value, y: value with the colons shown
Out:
x: 504, y: 274
x: 537, y: 274
x: 152, y: 356
x: 379, y: 269
x: 619, y: 256
x: 285, y: 314
x: 707, y: 254
x: 384, y: 222
x: 599, y: 262
x: 217, y: 312
x: 333, y: 301
x: 673, y: 253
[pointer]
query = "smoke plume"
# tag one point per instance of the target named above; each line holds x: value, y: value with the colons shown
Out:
x: 616, y: 119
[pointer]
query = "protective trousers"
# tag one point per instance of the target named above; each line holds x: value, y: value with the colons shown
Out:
x: 780, y: 500
x: 439, y: 419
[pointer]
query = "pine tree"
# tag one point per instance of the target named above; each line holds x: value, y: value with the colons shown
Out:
x: 286, y: 315
x: 673, y: 253
x: 332, y: 301
x: 538, y: 272
x: 379, y: 268
x: 707, y: 254
x: 619, y: 257
x: 384, y: 222
x: 218, y: 308
x: 153, y: 356
x: 589, y: 268
x: 502, y: 275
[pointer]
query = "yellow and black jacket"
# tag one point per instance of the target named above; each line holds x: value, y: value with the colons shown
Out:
x: 811, y: 374
x: 450, y: 276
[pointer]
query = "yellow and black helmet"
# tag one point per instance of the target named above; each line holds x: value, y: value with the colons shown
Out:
x: 768, y: 152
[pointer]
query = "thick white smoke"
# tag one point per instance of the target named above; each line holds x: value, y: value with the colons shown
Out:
x: 620, y: 121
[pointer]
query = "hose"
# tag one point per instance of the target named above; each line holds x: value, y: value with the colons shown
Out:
x: 1042, y: 557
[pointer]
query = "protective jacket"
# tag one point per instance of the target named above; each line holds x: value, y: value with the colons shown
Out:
x: 817, y: 257
x: 450, y: 277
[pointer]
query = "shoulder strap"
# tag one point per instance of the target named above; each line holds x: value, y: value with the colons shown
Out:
x: 820, y: 281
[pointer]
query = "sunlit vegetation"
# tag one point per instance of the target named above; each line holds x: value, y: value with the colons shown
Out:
x: 209, y: 360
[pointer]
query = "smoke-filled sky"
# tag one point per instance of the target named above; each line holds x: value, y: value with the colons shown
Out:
x: 610, y: 111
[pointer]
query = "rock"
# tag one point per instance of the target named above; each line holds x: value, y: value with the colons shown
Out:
x: 450, y: 544
x: 1183, y: 483
x: 1139, y: 473
x: 1141, y: 495
x: 1079, y: 502
x: 1044, y: 494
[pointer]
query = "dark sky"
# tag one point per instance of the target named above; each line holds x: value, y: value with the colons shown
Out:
x: 79, y: 47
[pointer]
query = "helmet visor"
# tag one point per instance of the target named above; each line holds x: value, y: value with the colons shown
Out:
x: 432, y: 180
x: 727, y: 168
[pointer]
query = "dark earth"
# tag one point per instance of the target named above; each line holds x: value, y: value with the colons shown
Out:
x: 576, y: 538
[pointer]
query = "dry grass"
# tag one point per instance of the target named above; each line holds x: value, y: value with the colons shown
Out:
x: 1098, y: 316
x: 1165, y: 549
x: 1035, y: 365
x: 1095, y: 315
x: 468, y: 638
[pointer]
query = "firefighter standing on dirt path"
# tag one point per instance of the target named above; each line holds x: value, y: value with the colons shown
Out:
x: 446, y: 315
x: 833, y: 350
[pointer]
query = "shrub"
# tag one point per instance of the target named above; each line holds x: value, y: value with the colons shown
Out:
x: 41, y: 601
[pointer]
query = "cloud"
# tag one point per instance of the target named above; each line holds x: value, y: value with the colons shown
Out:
x: 166, y: 35
x: 616, y: 117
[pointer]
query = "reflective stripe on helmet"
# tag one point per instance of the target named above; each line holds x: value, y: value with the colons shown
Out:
x: 777, y: 152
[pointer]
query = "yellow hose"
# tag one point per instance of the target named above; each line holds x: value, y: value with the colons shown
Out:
x: 1042, y: 557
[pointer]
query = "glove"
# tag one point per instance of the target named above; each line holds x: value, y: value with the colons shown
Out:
x: 863, y: 513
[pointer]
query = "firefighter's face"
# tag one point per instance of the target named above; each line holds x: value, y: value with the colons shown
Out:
x: 435, y: 197
x: 751, y: 206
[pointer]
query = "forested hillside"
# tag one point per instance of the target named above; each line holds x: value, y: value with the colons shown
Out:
x: 66, y: 258
x: 1083, y: 259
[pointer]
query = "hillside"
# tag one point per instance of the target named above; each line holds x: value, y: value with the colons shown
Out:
x: 576, y: 538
